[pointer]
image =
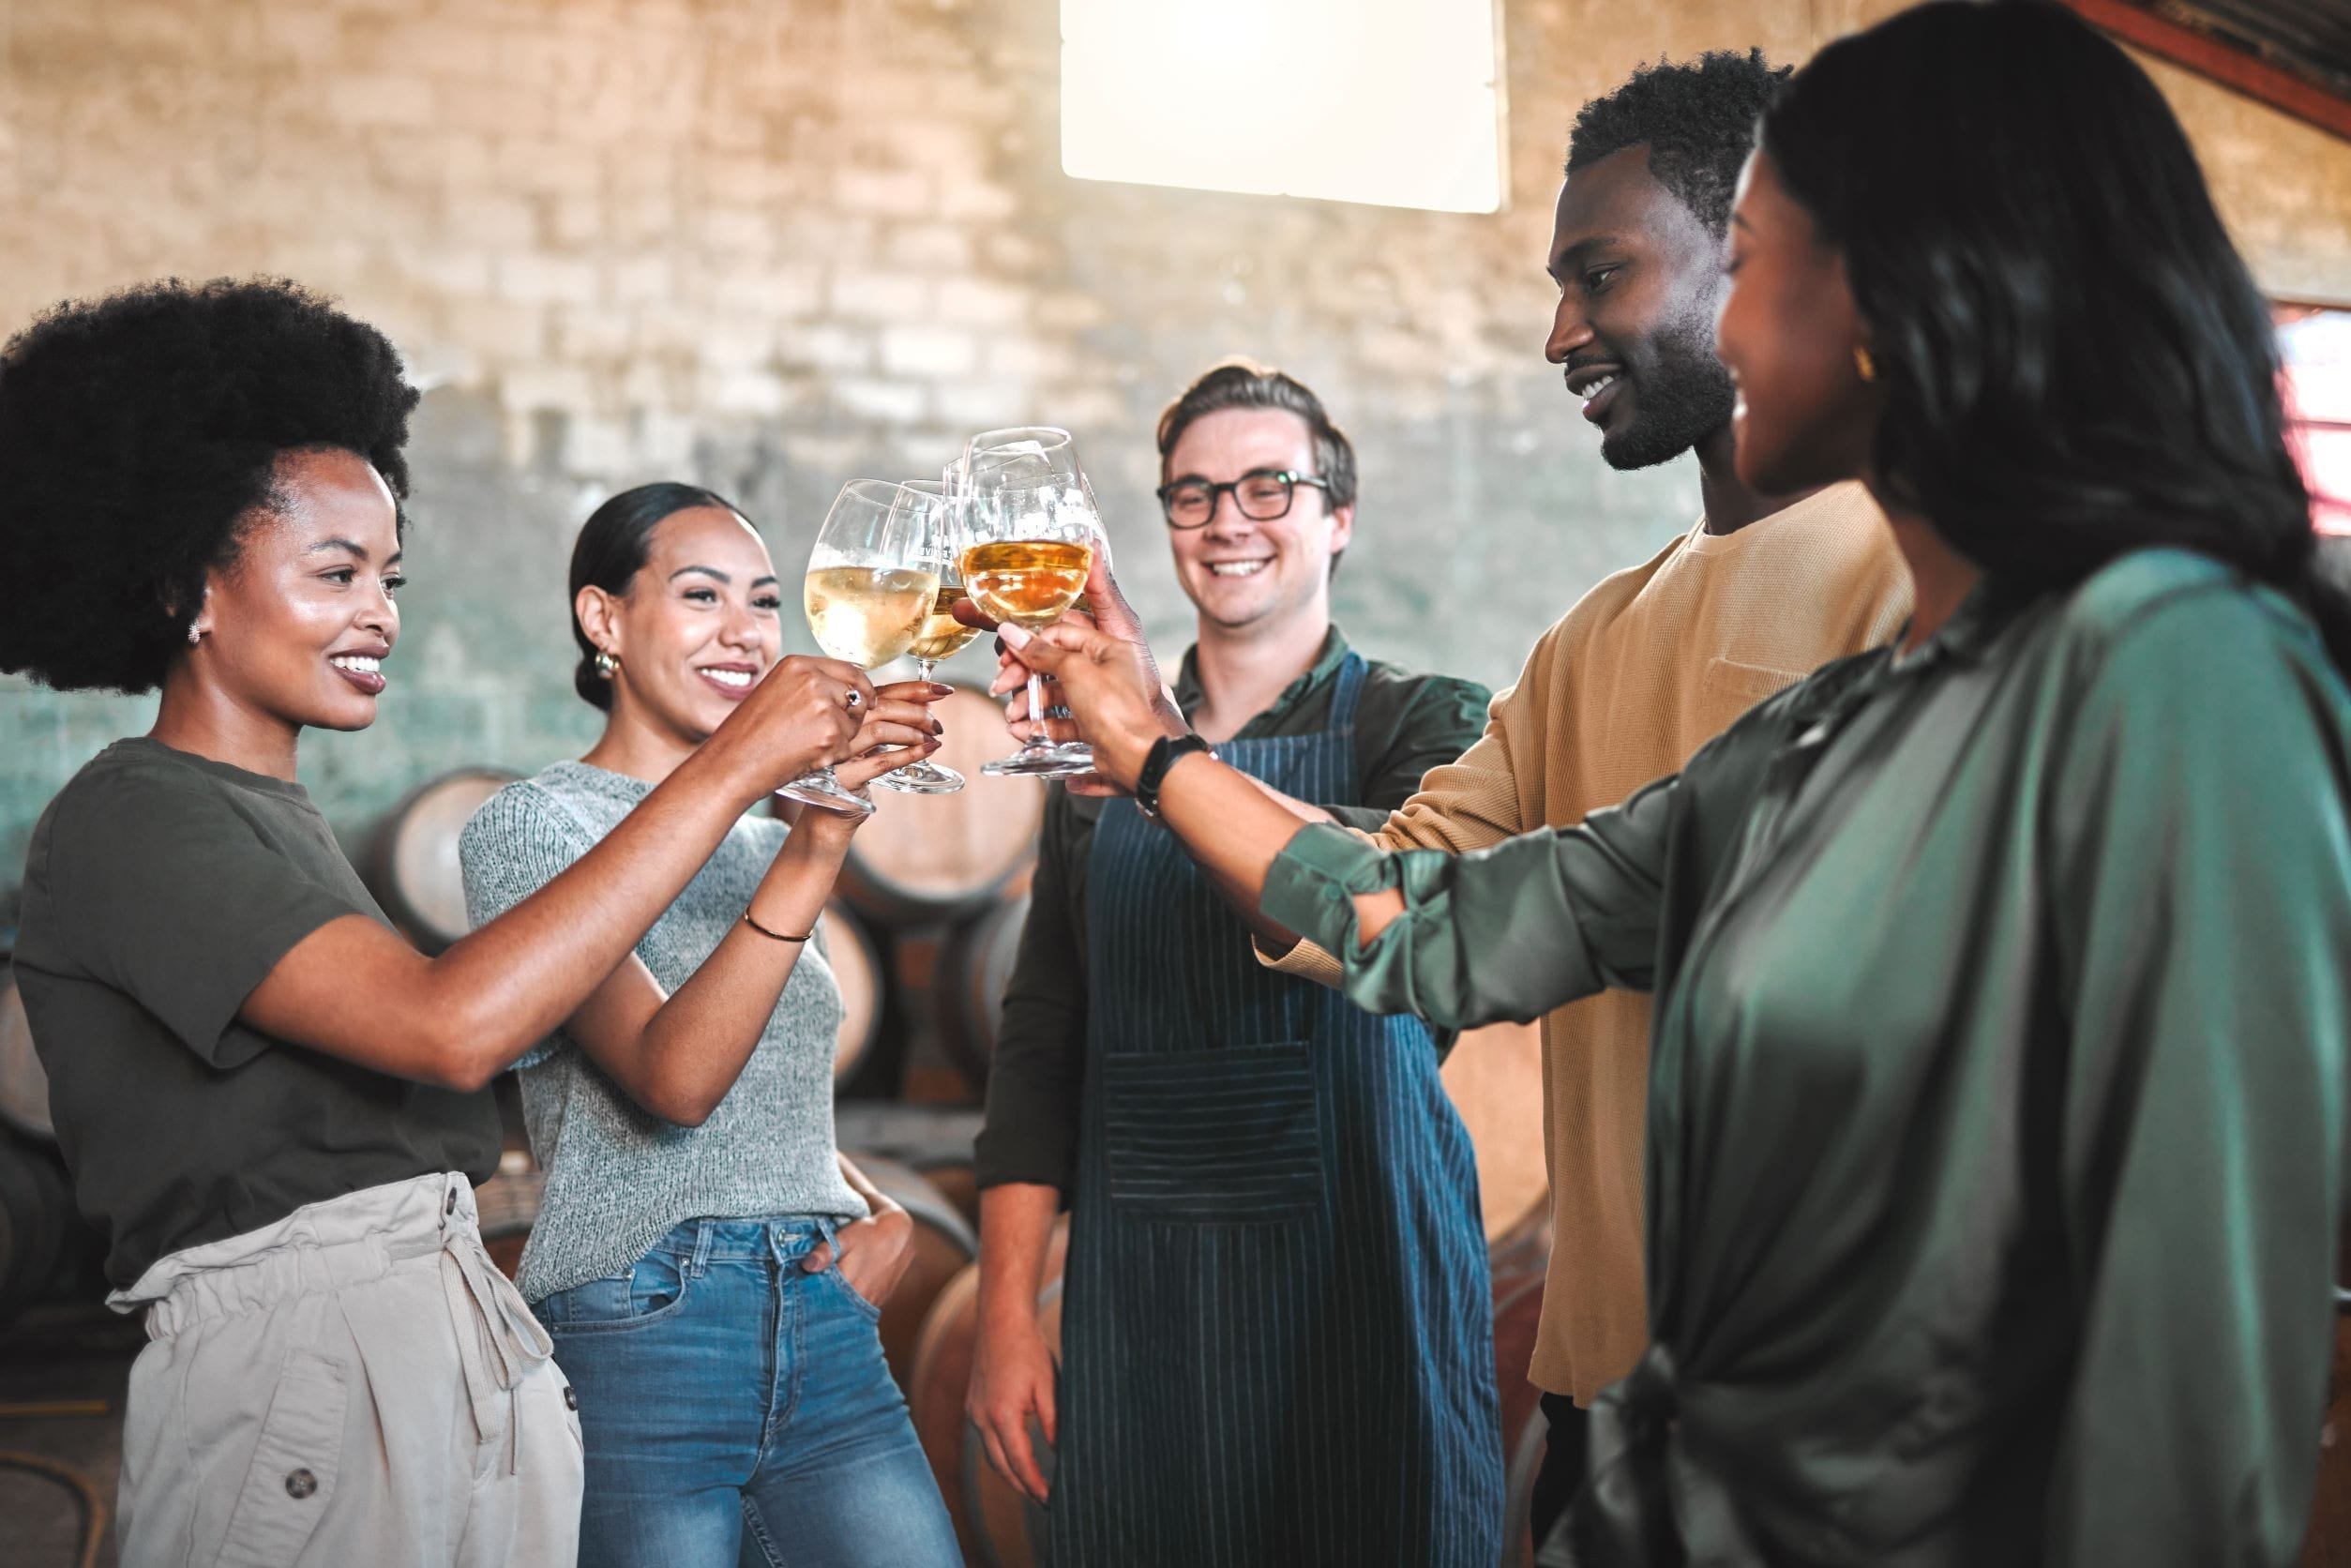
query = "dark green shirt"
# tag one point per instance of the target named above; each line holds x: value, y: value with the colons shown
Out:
x: 1405, y: 725
x: 1996, y: 1128
x: 160, y: 890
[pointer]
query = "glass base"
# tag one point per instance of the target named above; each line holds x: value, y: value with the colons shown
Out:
x: 1065, y: 761
x: 825, y: 793
x: 921, y: 779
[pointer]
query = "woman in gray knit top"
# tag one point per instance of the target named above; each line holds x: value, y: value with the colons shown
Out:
x: 706, y: 1260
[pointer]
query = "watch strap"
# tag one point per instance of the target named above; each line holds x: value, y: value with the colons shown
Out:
x: 1164, y: 754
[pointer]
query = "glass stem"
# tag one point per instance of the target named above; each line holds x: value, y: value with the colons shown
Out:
x: 1038, y: 740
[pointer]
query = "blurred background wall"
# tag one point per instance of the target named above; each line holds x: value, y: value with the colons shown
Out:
x: 771, y: 244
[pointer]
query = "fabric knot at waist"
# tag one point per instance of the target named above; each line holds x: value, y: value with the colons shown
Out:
x: 1648, y: 1502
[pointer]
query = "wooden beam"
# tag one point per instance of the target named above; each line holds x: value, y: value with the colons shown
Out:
x: 2229, y: 66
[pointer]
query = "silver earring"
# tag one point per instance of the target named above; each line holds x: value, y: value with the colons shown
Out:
x: 606, y: 664
x: 194, y: 636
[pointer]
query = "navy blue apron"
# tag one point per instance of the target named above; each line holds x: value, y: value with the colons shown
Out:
x: 1277, y: 1331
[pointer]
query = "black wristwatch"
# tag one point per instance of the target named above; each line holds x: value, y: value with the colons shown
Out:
x: 1161, y: 756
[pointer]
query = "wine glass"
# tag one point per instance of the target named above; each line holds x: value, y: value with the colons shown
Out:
x: 937, y: 516
x: 866, y: 591
x: 1031, y: 531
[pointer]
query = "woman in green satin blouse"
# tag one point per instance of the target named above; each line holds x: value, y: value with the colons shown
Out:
x: 1996, y: 1144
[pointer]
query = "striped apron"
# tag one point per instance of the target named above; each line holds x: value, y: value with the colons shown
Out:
x: 1277, y: 1327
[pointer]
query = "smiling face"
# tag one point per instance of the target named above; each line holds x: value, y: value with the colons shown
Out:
x: 697, y: 628
x: 1640, y: 277
x: 1241, y: 572
x: 1802, y: 414
x: 296, y: 628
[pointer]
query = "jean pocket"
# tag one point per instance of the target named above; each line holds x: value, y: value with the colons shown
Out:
x: 1228, y: 1136
x: 291, y: 1479
x: 855, y: 1297
x: 653, y: 1289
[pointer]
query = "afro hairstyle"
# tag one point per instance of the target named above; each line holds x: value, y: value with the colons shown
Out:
x: 1697, y: 120
x: 138, y: 431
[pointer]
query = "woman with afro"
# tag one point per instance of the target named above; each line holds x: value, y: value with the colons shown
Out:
x: 273, y: 1106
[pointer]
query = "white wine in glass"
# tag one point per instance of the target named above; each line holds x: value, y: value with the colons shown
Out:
x: 866, y: 591
x: 1031, y: 553
x: 940, y: 635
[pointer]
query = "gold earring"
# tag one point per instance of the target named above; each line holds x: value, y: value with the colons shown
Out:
x: 606, y: 664
x: 1863, y: 363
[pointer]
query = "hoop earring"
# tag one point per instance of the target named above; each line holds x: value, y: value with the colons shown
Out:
x: 606, y: 664
x: 1863, y: 363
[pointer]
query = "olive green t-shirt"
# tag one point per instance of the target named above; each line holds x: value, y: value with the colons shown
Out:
x: 160, y: 890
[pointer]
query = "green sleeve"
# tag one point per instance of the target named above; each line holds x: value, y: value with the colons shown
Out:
x: 2201, y: 898
x: 1507, y: 933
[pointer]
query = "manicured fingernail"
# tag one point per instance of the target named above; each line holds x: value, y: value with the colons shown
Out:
x: 1017, y: 635
x: 937, y: 728
x: 942, y: 688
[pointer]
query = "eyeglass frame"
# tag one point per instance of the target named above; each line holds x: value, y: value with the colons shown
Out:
x: 1289, y: 478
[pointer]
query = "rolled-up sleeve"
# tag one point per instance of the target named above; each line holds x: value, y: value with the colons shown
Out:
x: 1508, y: 932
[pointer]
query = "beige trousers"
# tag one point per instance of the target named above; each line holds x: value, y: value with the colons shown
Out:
x: 355, y: 1385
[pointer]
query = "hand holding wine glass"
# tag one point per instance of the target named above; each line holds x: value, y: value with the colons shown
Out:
x: 1032, y: 534
x: 1111, y: 687
x: 804, y: 713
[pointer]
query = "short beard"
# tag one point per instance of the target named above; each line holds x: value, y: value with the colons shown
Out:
x: 1686, y: 396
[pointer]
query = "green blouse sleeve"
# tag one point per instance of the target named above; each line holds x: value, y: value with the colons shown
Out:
x: 1506, y: 932
x: 2201, y: 897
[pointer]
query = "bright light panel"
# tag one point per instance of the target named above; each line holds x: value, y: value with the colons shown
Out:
x: 1397, y: 102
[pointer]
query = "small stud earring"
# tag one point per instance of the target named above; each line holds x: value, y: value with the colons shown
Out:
x: 606, y: 664
x: 1863, y: 363
x: 194, y: 636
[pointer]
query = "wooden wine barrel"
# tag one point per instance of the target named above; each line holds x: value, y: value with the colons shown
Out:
x: 934, y: 858
x: 411, y: 864
x: 1495, y: 1076
x: 944, y: 1243
x: 857, y: 968
x: 37, y: 1223
x: 23, y: 1084
x: 974, y: 964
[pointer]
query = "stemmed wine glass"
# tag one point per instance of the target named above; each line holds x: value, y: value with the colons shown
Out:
x: 868, y: 589
x: 938, y: 518
x: 1031, y: 531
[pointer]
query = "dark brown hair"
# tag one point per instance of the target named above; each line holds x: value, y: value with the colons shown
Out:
x: 1242, y: 383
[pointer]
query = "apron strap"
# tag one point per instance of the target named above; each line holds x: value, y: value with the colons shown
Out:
x: 1350, y: 688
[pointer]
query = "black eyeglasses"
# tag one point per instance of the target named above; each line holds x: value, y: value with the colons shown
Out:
x: 1262, y: 496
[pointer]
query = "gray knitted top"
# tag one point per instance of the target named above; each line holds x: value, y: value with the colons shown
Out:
x: 618, y: 1178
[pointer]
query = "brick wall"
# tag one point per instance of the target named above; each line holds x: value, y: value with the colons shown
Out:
x: 773, y: 244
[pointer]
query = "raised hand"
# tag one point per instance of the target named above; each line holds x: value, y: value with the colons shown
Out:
x: 1115, y: 697
x: 805, y: 714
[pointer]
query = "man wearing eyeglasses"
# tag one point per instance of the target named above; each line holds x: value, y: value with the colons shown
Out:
x: 1276, y: 1323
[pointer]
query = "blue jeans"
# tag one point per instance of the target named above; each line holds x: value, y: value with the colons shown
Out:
x: 737, y: 1410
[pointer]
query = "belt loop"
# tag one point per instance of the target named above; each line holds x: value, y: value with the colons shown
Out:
x: 700, y: 1265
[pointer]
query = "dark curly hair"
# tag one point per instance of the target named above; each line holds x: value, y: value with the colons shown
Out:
x: 2075, y: 360
x: 611, y: 550
x: 138, y: 431
x: 1697, y: 120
